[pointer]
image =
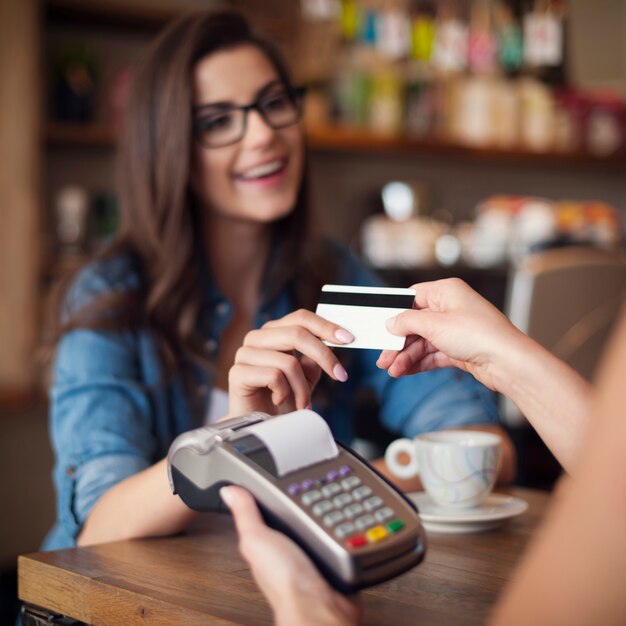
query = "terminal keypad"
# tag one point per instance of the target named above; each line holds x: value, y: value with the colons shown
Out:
x: 346, y: 507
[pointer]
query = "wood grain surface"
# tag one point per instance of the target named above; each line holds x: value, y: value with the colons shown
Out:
x: 199, y: 578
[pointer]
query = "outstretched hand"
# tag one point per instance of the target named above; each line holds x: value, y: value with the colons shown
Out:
x: 450, y: 326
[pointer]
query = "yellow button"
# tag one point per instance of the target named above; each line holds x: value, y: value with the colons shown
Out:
x: 377, y: 533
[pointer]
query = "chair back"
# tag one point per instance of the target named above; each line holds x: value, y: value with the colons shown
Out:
x: 567, y: 299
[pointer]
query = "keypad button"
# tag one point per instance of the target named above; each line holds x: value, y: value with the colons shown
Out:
x: 351, y: 481
x: 322, y: 507
x: 365, y: 521
x: 372, y: 503
x: 310, y: 497
x: 384, y: 514
x: 353, y: 510
x: 344, y: 470
x: 395, y: 526
x: 333, y: 518
x: 344, y: 530
x: 378, y: 533
x: 342, y: 499
x: 356, y: 541
x: 332, y: 475
x: 361, y: 492
x: 307, y: 484
x: 294, y: 489
x: 330, y: 490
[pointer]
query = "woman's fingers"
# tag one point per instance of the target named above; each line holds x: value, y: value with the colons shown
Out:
x: 246, y: 380
x: 287, y: 364
x: 312, y: 371
x: 316, y: 325
x: 288, y: 338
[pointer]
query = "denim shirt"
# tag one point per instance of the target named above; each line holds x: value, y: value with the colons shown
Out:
x: 111, y: 417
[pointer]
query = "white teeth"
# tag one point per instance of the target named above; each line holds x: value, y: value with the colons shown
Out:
x: 263, y: 170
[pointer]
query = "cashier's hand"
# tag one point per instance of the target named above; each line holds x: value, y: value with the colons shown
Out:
x: 451, y: 326
x: 293, y: 587
x: 278, y: 366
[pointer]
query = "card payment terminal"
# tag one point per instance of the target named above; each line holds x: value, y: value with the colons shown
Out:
x: 357, y: 528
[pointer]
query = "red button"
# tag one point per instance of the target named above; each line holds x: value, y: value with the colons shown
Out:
x: 356, y: 541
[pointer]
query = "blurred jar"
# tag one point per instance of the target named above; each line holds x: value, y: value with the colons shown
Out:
x: 486, y: 243
x: 471, y: 121
x: 410, y: 243
x: 605, y: 125
x: 378, y: 241
x: 71, y: 208
x: 416, y: 240
x: 386, y: 104
x: 536, y: 115
x: 603, y: 224
x: 448, y: 249
x: 118, y: 93
x: 403, y: 200
x: 76, y: 70
x: 104, y: 218
x: 317, y: 109
x: 351, y: 97
x: 569, y: 119
x: 393, y: 33
x: 505, y: 114
x: 534, y: 226
x: 421, y: 109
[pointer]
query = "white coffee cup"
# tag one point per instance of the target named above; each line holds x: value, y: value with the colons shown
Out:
x: 457, y: 467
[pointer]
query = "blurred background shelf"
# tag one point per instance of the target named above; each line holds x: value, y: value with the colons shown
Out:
x: 334, y: 138
x: 338, y: 139
x: 68, y: 134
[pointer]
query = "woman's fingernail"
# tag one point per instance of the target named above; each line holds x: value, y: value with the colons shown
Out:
x: 390, y: 323
x: 226, y: 495
x: 344, y: 336
x: 340, y: 373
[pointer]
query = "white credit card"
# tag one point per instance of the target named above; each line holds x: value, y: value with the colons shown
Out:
x: 363, y: 311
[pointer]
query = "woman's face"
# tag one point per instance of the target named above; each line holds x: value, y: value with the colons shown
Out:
x: 257, y: 178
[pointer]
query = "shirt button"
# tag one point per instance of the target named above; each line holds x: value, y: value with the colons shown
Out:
x: 222, y: 308
x: 211, y: 345
x: 70, y: 470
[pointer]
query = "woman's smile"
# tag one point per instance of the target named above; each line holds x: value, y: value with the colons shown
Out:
x: 266, y: 173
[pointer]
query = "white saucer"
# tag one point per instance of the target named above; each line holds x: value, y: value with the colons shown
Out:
x: 490, y: 513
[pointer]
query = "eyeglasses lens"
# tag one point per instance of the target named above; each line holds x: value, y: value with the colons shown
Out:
x: 281, y: 109
x: 221, y: 128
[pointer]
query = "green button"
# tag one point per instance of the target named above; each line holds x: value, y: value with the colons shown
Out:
x: 395, y: 525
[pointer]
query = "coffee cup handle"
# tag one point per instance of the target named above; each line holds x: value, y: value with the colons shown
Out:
x: 411, y: 469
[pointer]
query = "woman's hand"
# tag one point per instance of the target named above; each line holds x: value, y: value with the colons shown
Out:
x: 278, y: 366
x: 451, y: 326
x: 293, y: 587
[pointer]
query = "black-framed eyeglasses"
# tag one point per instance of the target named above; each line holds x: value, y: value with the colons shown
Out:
x: 216, y: 125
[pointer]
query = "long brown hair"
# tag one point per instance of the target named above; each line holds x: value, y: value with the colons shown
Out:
x: 159, y: 224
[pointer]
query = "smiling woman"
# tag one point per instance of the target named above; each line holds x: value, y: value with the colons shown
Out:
x: 248, y: 159
x: 199, y: 308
